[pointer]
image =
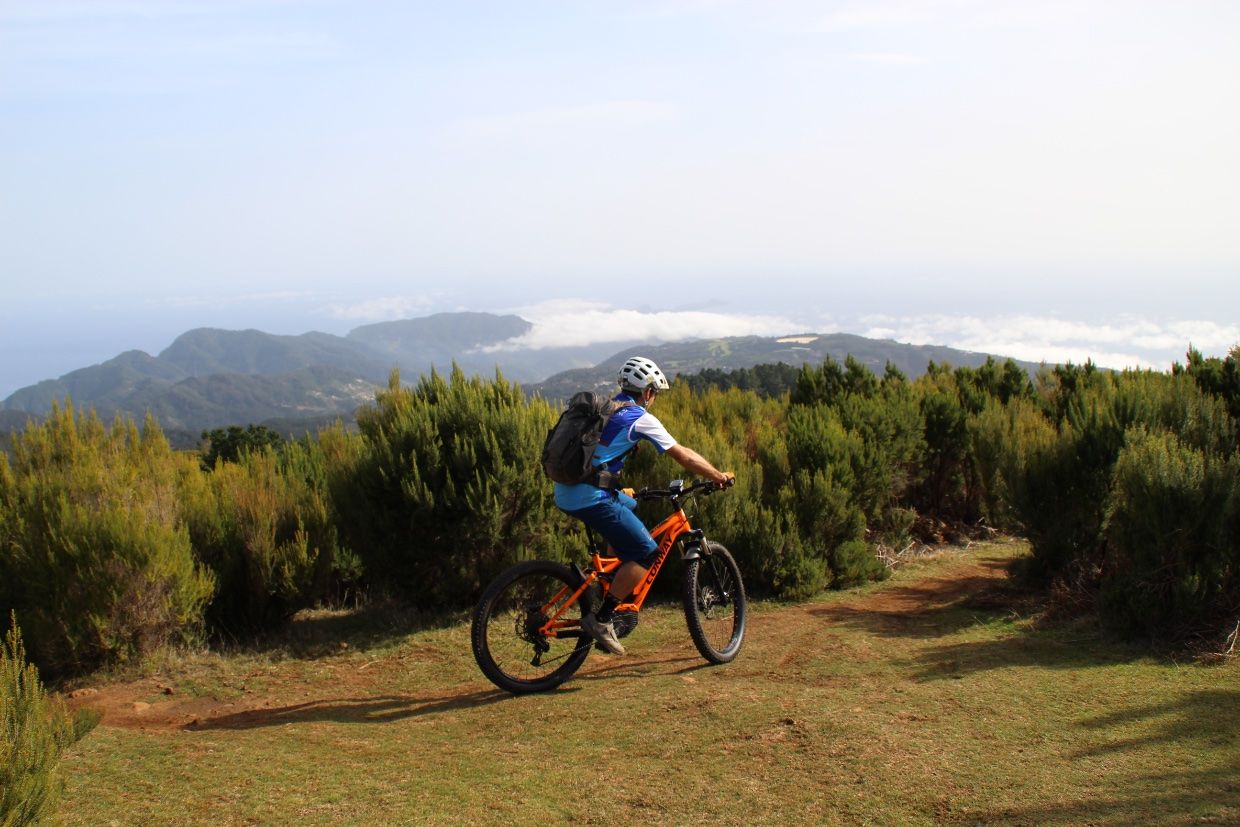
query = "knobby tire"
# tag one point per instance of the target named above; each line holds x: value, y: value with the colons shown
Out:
x: 503, y: 630
x: 714, y: 603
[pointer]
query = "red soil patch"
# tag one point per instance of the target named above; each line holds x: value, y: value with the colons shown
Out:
x: 788, y: 634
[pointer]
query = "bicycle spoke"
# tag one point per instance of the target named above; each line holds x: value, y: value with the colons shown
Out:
x: 509, y: 638
x: 715, y: 605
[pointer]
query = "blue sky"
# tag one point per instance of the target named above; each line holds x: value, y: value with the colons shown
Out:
x: 1047, y: 180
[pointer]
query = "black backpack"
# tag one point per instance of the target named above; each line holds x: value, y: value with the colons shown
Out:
x: 569, y: 450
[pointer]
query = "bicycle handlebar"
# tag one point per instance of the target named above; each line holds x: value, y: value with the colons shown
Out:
x: 673, y: 492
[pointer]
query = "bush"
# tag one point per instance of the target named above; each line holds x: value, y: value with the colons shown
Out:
x: 449, y: 488
x: 1057, y: 480
x: 263, y: 526
x: 738, y: 431
x: 989, y: 441
x: 229, y: 444
x: 1170, y: 564
x: 93, y: 553
x: 853, y: 562
x: 773, y: 557
x: 33, y: 734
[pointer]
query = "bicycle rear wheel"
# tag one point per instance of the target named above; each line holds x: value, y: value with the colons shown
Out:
x: 507, y: 645
x: 714, y: 602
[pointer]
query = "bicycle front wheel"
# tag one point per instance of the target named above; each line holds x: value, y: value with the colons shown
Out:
x: 714, y: 602
x: 508, y: 646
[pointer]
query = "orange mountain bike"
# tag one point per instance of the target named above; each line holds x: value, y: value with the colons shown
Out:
x: 526, y: 630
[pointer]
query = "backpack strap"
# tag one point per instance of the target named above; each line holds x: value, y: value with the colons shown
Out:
x: 602, y: 478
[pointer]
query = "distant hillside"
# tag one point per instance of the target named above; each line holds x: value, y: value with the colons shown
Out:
x: 105, y: 386
x: 209, y: 378
x: 227, y: 399
x: 477, y: 342
x: 206, y: 352
x: 439, y: 339
x: 747, y: 351
x: 14, y: 420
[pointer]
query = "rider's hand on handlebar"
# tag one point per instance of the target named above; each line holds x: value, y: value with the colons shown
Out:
x: 628, y: 492
x: 728, y: 480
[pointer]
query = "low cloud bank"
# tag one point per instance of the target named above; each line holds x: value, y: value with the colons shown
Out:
x: 1122, y: 342
x: 573, y: 323
x: 1125, y: 341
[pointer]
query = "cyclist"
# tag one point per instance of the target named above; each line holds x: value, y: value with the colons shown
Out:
x: 608, y: 509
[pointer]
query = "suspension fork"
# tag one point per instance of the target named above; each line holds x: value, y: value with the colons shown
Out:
x: 695, y: 544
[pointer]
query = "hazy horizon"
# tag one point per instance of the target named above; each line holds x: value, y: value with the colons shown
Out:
x: 1123, y: 342
x: 1047, y: 181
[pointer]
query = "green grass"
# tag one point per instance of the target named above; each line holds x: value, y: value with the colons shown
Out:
x: 882, y: 705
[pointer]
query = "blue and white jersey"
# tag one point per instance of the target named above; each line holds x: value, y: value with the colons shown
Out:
x: 620, y: 434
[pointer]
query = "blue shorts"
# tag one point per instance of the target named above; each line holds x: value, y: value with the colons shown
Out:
x: 614, y: 519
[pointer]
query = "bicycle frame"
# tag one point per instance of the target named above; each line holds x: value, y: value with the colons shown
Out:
x: 666, y: 534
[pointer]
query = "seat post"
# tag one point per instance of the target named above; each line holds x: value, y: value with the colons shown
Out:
x: 592, y: 546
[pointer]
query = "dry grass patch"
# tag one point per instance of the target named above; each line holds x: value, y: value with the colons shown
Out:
x: 931, y: 698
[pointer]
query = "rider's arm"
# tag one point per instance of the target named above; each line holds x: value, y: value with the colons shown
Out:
x: 695, y: 463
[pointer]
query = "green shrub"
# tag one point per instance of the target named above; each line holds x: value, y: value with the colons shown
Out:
x: 955, y: 482
x: 1170, y: 564
x: 228, y: 444
x: 854, y: 562
x: 93, y: 553
x: 1057, y: 481
x: 773, y: 556
x: 34, y: 732
x: 1217, y: 377
x: 263, y: 526
x: 741, y: 432
x: 895, y: 529
x: 989, y: 436
x: 888, y: 444
x: 449, y: 490
x: 823, y: 513
x: 946, y: 469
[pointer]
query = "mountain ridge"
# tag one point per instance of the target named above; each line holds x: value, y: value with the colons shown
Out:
x: 209, y: 377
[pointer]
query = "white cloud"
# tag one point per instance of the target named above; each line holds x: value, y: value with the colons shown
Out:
x: 575, y: 322
x: 1127, y: 341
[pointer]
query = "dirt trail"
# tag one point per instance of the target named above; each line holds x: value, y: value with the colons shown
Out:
x: 152, y: 704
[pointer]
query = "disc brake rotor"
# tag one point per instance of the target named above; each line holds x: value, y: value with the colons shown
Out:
x: 706, y: 599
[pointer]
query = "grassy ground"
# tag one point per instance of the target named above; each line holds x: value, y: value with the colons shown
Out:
x: 936, y: 697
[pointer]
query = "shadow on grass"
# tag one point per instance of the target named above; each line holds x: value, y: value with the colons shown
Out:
x: 1206, y: 722
x: 387, y: 708
x: 312, y: 634
x: 1188, y: 797
x: 630, y: 669
x: 371, y: 710
x: 1209, y: 718
x: 943, y: 607
x: 930, y: 608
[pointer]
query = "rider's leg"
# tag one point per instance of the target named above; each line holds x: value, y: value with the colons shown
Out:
x: 624, y: 581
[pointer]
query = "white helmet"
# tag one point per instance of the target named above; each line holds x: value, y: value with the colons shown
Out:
x: 640, y: 373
